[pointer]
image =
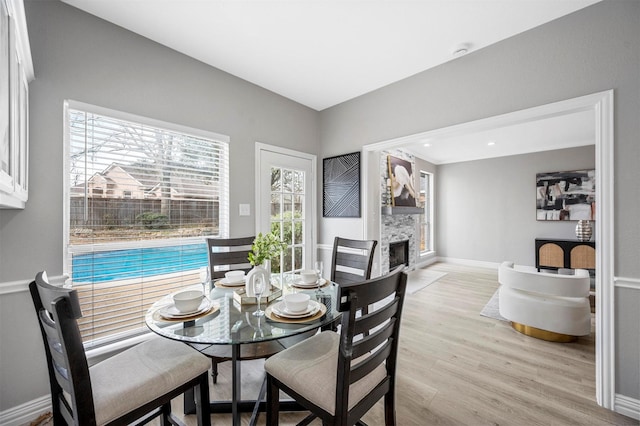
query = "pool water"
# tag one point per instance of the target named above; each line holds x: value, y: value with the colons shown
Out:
x: 114, y: 265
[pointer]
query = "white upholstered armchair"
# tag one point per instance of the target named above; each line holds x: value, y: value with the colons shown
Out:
x: 545, y: 305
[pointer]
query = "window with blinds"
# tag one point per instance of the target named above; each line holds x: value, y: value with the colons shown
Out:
x: 140, y: 199
x: 425, y: 202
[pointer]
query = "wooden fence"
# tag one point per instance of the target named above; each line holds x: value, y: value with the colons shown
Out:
x: 106, y: 213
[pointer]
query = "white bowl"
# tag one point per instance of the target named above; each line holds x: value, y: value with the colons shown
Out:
x: 308, y: 276
x: 234, y: 276
x: 188, y: 301
x: 296, y: 302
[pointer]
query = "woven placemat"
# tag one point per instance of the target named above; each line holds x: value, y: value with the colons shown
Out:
x: 273, y: 317
x: 306, y: 287
x: 157, y: 316
x: 220, y: 285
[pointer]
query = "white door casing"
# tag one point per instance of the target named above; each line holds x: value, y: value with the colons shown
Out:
x: 269, y: 156
x: 601, y: 104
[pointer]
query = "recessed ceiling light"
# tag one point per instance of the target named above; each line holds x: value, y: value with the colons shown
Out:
x: 491, y: 143
x: 427, y: 145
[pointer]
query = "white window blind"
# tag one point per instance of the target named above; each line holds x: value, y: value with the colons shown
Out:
x: 141, y: 197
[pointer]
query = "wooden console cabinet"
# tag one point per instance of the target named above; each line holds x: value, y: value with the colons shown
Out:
x: 570, y: 254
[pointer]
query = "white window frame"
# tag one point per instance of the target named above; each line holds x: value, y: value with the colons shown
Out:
x: 429, y: 210
x: 123, y: 341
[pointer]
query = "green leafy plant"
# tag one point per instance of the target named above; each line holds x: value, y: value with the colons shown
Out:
x: 151, y: 220
x: 265, y: 247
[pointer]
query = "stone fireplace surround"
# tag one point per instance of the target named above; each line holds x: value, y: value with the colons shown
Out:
x: 395, y: 227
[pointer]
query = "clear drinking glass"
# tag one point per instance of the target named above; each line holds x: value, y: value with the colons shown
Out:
x: 319, y: 269
x: 259, y: 287
x: 204, y: 279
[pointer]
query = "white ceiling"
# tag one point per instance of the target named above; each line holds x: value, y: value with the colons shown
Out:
x: 558, y: 132
x: 324, y: 52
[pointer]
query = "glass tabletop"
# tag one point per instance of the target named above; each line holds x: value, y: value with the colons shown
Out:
x: 229, y: 322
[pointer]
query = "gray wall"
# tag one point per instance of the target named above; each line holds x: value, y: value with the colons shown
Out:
x: 589, y: 51
x: 487, y: 208
x: 77, y: 56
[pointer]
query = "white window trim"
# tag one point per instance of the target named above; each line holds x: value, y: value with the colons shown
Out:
x: 428, y: 254
x: 71, y: 104
x: 97, y: 350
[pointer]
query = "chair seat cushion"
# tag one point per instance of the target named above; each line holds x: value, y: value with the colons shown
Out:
x: 309, y: 368
x: 142, y: 373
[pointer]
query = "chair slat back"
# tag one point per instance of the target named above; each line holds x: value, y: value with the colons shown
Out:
x: 371, y: 320
x: 226, y: 254
x: 370, y: 342
x: 57, y: 310
x: 361, y: 369
x: 370, y: 339
x: 352, y: 260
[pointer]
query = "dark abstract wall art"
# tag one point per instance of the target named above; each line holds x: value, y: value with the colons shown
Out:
x: 566, y: 195
x: 341, y: 186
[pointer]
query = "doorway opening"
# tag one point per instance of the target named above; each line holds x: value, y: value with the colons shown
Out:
x: 601, y: 107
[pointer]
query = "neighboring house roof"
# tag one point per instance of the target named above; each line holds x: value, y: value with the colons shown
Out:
x: 148, y: 180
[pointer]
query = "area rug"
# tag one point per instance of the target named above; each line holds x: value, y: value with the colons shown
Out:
x: 421, y: 278
x: 491, y: 309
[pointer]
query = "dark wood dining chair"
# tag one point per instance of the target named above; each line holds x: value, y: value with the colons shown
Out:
x: 339, y: 377
x: 226, y: 254
x: 137, y: 384
x: 352, y: 260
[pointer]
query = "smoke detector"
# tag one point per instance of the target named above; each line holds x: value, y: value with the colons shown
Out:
x: 461, y: 49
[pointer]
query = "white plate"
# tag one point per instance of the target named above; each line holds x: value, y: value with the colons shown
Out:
x: 170, y: 311
x: 280, y: 309
x: 297, y: 282
x: 228, y: 283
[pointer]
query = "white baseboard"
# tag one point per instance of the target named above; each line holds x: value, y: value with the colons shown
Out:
x: 424, y: 262
x: 468, y: 262
x: 29, y: 411
x: 627, y: 406
x: 26, y: 413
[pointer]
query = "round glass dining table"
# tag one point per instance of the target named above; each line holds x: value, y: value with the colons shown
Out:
x: 228, y: 329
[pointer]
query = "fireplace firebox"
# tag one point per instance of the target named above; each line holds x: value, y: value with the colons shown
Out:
x: 398, y: 254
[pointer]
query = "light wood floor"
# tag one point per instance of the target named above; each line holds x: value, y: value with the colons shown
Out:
x: 459, y: 368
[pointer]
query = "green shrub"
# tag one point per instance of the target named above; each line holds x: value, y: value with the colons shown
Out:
x: 152, y: 220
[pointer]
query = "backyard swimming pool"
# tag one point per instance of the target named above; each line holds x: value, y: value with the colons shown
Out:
x: 114, y: 265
